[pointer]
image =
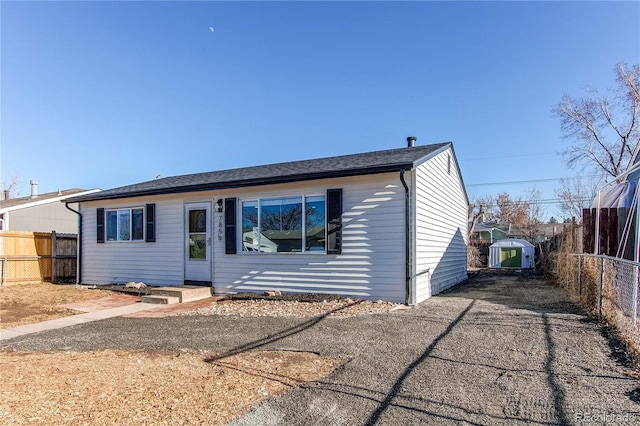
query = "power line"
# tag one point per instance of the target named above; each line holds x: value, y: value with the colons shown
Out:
x: 535, y: 202
x: 509, y: 156
x: 516, y: 182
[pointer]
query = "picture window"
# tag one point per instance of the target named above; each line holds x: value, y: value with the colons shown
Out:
x: 294, y: 224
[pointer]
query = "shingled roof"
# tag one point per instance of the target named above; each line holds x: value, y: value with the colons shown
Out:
x: 29, y: 201
x: 346, y: 165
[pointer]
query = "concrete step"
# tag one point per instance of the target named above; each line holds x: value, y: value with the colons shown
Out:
x: 160, y: 300
x: 183, y: 293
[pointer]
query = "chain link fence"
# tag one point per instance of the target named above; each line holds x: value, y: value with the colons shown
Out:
x: 606, y: 286
x: 25, y: 269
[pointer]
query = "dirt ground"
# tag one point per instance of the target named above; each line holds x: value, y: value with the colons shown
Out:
x: 133, y: 387
x: 22, y: 304
x: 162, y: 388
x: 497, y: 350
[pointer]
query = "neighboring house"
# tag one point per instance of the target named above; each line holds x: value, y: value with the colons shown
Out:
x: 387, y: 225
x: 40, y: 212
x: 490, y: 232
x: 541, y: 232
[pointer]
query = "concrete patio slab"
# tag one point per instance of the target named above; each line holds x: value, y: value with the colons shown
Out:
x: 168, y: 310
x: 103, y: 303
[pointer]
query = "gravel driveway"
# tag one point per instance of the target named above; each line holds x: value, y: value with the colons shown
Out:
x: 501, y: 349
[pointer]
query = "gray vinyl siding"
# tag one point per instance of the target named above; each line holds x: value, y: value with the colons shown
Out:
x: 48, y: 217
x: 158, y: 263
x: 441, y: 226
x: 371, y: 265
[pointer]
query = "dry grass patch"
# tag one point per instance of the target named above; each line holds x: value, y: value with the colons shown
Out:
x: 22, y: 304
x: 582, y: 280
x: 124, y: 387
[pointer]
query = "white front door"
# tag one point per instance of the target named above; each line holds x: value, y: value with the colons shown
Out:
x: 197, y: 242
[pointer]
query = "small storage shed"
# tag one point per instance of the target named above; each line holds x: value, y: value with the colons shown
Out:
x: 511, y: 253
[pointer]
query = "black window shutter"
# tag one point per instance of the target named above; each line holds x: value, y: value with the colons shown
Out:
x: 230, y: 226
x: 100, y: 225
x: 334, y: 221
x: 151, y: 223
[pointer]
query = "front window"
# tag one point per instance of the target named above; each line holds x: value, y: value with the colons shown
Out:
x: 125, y: 224
x: 284, y: 225
x: 315, y: 223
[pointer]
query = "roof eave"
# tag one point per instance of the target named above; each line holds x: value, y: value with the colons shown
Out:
x: 387, y: 168
x: 35, y: 202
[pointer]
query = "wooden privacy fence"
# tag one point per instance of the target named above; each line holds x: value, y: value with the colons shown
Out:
x: 37, y: 256
x: 613, y: 229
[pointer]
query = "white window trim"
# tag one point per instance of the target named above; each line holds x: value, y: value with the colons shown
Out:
x: 130, y: 210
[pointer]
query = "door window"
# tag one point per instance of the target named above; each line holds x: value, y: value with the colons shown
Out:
x: 198, y: 234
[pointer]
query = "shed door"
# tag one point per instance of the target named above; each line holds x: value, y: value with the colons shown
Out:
x: 197, y: 242
x: 511, y: 257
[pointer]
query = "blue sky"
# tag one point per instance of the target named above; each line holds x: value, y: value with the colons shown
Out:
x: 105, y: 94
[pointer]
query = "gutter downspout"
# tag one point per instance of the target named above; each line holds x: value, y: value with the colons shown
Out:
x: 79, y: 248
x: 409, y: 297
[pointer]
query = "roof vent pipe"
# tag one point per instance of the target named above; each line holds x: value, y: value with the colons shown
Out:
x: 411, y: 141
x: 7, y: 194
x: 34, y: 188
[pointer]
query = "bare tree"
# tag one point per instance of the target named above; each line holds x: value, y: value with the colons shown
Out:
x: 510, y: 210
x: 482, y: 209
x: 475, y: 213
x: 11, y: 186
x: 499, y: 208
x: 576, y: 194
x: 533, y: 214
x: 604, y: 129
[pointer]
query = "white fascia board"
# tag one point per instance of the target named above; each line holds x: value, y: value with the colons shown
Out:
x: 448, y: 146
x: 37, y: 202
x: 429, y: 156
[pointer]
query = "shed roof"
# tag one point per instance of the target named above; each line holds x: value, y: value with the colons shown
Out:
x: 490, y: 226
x: 294, y: 171
x: 512, y: 242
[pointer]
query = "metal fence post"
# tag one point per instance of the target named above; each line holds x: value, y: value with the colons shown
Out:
x: 601, y: 285
x: 4, y: 271
x: 54, y: 248
x: 635, y: 294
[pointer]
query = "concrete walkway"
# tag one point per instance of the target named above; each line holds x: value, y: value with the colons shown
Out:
x: 10, y: 333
